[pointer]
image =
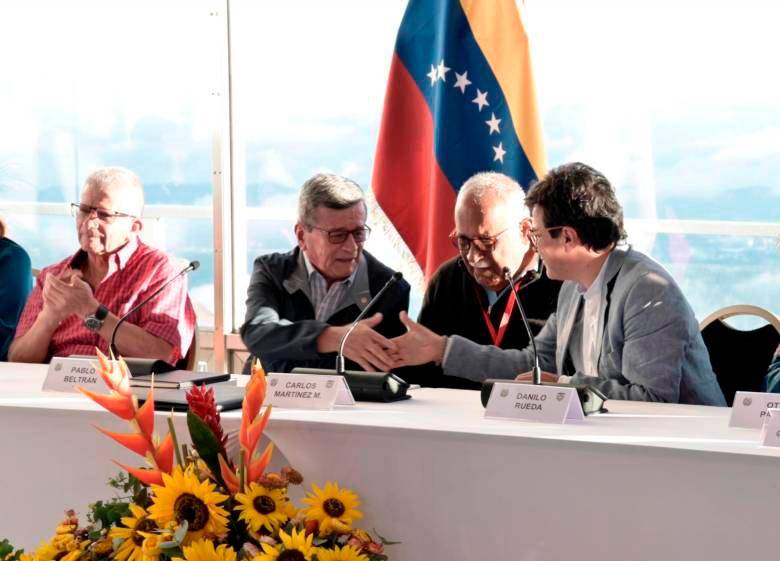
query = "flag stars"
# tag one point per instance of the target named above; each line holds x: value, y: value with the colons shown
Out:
x: 481, y: 99
x: 493, y: 124
x: 433, y: 75
x: 441, y: 71
x: 500, y: 153
x: 461, y: 81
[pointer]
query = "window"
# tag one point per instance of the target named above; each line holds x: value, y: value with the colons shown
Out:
x: 677, y: 104
x: 108, y: 83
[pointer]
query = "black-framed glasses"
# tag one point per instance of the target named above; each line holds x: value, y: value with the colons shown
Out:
x: 339, y: 236
x: 84, y: 211
x: 535, y: 235
x: 483, y: 243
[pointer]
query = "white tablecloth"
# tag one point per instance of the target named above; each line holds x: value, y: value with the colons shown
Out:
x: 646, y: 481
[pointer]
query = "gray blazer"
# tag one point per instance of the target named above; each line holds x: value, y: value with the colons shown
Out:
x: 651, y: 349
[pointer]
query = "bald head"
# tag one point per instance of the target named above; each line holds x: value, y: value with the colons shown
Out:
x: 490, y: 189
x: 121, y: 185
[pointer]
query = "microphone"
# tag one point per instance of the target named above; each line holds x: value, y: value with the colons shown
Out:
x: 189, y: 268
x: 340, y: 369
x: 365, y: 386
x: 535, y: 276
x: 591, y: 399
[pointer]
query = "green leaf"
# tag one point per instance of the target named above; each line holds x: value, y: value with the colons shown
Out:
x: 181, y: 532
x: 173, y: 552
x: 168, y: 545
x: 116, y: 543
x: 205, y: 443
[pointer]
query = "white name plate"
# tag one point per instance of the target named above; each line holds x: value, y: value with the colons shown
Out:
x: 307, y: 391
x: 543, y: 404
x: 65, y: 373
x: 770, y: 431
x: 750, y: 409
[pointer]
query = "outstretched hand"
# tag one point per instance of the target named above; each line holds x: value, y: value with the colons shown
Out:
x: 418, y: 345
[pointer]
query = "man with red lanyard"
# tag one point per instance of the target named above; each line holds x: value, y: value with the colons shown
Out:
x: 77, y: 302
x: 468, y: 295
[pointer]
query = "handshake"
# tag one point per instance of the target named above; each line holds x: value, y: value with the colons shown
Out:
x: 374, y: 352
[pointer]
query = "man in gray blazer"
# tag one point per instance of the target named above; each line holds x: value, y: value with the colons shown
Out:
x: 621, y: 325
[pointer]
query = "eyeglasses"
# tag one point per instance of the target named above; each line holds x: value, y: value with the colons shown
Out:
x: 534, y: 235
x: 337, y: 237
x: 483, y: 243
x: 83, y: 211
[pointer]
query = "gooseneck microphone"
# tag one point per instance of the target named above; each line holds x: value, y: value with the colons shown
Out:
x: 535, y: 276
x: 340, y: 369
x: 189, y: 268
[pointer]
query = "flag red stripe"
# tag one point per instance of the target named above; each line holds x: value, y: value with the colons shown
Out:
x: 408, y: 183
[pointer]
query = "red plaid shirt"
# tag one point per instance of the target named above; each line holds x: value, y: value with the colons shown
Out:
x: 134, y: 272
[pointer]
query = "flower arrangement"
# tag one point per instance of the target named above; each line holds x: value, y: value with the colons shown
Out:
x: 196, y: 504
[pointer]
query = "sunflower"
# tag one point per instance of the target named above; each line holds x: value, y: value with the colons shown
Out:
x: 296, y: 546
x: 131, y: 548
x: 203, y: 550
x: 262, y: 507
x: 184, y: 497
x: 335, y: 509
x: 346, y: 553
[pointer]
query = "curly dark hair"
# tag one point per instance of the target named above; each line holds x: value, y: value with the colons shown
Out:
x: 578, y: 196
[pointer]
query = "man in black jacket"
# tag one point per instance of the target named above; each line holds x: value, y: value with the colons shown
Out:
x: 469, y: 295
x: 300, y: 303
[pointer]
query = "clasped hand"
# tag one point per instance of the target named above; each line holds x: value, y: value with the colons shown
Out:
x: 368, y: 348
x: 67, y: 293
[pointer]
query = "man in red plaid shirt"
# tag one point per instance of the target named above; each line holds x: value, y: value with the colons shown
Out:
x: 77, y: 302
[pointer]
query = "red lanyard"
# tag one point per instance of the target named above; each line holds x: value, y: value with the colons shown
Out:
x: 497, y: 337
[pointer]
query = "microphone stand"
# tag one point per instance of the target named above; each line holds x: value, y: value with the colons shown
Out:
x: 112, y: 345
x: 591, y: 399
x: 536, y: 371
x: 365, y: 386
x: 340, y: 368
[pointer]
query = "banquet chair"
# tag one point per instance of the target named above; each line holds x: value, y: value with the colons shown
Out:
x: 740, y: 358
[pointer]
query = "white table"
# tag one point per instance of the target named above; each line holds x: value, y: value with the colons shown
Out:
x: 646, y: 481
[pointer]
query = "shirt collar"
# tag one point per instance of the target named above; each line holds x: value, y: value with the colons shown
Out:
x: 596, y: 287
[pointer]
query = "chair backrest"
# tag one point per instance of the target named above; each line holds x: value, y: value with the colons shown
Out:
x: 740, y: 358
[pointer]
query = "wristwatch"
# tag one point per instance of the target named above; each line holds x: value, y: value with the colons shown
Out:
x: 94, y: 321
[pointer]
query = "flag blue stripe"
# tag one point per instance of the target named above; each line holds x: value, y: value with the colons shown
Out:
x: 436, y: 30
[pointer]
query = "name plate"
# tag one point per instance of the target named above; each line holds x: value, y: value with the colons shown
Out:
x: 543, y: 404
x: 770, y: 431
x: 751, y: 409
x: 307, y: 391
x: 65, y: 373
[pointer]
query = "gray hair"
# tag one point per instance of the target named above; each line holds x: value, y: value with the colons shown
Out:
x: 506, y: 189
x: 330, y: 191
x: 114, y: 175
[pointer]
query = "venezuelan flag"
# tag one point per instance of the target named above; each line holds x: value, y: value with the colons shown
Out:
x: 460, y: 99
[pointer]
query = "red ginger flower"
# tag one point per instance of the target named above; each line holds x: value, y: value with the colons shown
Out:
x: 203, y: 404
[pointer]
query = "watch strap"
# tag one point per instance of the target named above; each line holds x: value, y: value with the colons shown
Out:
x: 101, y: 313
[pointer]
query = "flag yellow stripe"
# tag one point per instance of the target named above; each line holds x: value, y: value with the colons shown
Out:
x: 498, y: 29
